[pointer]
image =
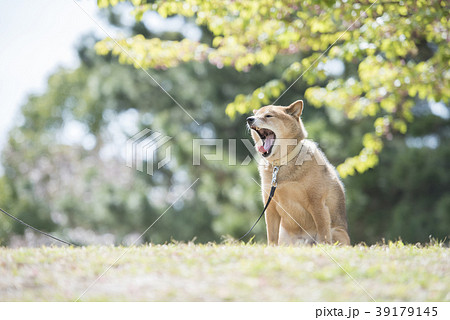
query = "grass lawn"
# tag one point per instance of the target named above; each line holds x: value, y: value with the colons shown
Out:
x: 226, y: 272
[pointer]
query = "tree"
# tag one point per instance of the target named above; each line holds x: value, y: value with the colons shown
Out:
x: 81, y: 189
x: 399, y: 50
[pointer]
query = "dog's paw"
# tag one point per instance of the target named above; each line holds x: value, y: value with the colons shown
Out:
x: 324, y: 239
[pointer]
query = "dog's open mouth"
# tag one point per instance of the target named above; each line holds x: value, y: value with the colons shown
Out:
x: 268, y: 138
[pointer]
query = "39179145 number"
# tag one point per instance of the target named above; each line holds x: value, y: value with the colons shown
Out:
x: 406, y: 311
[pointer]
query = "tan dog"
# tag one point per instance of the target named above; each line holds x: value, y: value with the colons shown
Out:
x: 309, y: 202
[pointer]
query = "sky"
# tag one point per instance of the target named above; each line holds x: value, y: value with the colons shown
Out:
x: 36, y: 38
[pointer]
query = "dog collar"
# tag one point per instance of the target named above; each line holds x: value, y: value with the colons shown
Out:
x: 284, y: 160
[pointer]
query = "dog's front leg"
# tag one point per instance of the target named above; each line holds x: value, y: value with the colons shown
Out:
x: 322, y: 220
x: 273, y: 226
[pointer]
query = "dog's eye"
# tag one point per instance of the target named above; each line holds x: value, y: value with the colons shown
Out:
x: 268, y: 116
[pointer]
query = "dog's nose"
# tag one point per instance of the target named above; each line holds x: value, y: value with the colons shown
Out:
x: 250, y: 120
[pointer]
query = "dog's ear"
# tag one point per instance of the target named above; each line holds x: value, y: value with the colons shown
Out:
x: 295, y: 109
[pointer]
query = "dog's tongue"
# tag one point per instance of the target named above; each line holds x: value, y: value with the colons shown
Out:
x: 268, y: 143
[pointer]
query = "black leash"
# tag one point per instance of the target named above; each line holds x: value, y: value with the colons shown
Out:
x: 31, y: 227
x: 272, y: 192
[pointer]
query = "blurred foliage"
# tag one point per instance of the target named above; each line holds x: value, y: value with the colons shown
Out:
x: 64, y: 166
x: 399, y: 50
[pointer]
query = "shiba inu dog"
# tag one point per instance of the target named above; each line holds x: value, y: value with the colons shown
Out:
x: 309, y: 202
